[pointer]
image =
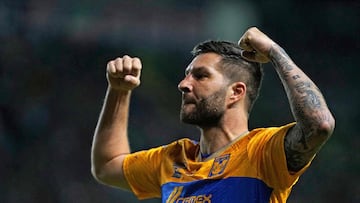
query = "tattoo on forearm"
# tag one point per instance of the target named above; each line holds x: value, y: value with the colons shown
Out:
x: 308, y: 107
x: 312, y: 99
x: 301, y: 87
x: 281, y: 59
x: 304, y: 96
x: 295, y: 77
x: 310, y: 96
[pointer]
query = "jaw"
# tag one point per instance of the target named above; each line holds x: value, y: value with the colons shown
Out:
x: 186, y: 111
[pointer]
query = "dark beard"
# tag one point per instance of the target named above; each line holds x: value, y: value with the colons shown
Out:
x: 208, y: 111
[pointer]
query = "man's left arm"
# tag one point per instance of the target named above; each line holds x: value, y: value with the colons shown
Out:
x: 314, y: 121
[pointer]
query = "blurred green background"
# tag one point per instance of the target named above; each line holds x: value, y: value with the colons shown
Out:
x: 52, y: 67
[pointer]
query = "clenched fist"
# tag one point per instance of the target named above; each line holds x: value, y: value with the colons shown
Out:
x: 124, y: 73
x: 256, y: 45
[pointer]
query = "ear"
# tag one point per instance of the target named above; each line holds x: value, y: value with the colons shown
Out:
x: 237, y: 92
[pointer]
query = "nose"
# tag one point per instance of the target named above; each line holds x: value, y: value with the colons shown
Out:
x: 184, y: 85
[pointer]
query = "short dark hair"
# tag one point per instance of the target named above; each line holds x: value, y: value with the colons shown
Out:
x: 234, y: 66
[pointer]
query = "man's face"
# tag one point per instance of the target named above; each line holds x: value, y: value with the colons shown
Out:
x: 203, y: 91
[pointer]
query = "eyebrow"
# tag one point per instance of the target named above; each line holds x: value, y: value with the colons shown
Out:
x: 196, y: 68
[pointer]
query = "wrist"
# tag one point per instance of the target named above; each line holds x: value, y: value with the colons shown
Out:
x: 279, y: 58
x: 118, y: 91
x: 276, y: 51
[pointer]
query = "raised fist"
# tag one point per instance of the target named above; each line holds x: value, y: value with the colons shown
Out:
x: 256, y: 45
x: 124, y: 73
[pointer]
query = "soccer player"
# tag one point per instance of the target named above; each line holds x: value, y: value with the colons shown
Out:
x: 229, y: 162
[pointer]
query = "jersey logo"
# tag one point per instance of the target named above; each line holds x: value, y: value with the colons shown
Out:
x: 219, y: 165
x: 174, y: 197
x: 175, y: 194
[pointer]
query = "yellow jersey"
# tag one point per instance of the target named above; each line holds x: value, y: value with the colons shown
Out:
x: 250, y: 169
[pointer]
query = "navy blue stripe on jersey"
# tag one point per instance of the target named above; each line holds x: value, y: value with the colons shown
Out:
x: 233, y: 189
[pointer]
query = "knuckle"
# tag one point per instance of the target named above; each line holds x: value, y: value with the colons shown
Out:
x: 137, y: 67
x: 137, y: 63
x: 118, y: 63
x: 118, y: 59
x: 126, y: 59
x: 110, y: 66
x: 136, y: 59
x: 110, y: 63
x: 127, y: 62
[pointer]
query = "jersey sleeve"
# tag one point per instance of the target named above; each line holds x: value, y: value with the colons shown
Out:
x: 267, y: 151
x: 141, y: 170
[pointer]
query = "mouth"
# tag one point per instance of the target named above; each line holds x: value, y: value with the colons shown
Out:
x: 188, y: 100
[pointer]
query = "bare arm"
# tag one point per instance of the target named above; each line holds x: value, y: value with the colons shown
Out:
x: 314, y: 122
x: 110, y: 142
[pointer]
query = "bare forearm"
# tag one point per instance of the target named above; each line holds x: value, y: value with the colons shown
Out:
x: 110, y: 139
x: 110, y: 144
x: 307, y: 103
x: 314, y: 120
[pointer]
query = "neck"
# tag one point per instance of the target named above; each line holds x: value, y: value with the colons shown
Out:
x: 215, y: 138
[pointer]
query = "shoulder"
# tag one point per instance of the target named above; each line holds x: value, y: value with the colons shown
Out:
x: 269, y: 136
x: 268, y: 132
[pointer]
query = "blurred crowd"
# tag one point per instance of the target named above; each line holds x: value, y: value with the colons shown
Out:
x: 53, y: 56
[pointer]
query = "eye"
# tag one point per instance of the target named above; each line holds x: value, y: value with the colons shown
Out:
x: 200, y: 76
x: 200, y: 73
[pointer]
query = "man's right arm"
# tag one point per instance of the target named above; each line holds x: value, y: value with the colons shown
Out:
x: 110, y: 143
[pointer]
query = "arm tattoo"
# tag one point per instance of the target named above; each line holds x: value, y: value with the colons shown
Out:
x: 295, y: 77
x: 281, y: 60
x: 311, y: 99
x: 309, y: 110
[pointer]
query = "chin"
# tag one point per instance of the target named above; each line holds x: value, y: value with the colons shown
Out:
x: 187, y: 117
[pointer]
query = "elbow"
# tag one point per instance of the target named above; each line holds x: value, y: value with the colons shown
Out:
x: 320, y: 125
x: 109, y: 173
x: 326, y: 126
x: 98, y: 174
